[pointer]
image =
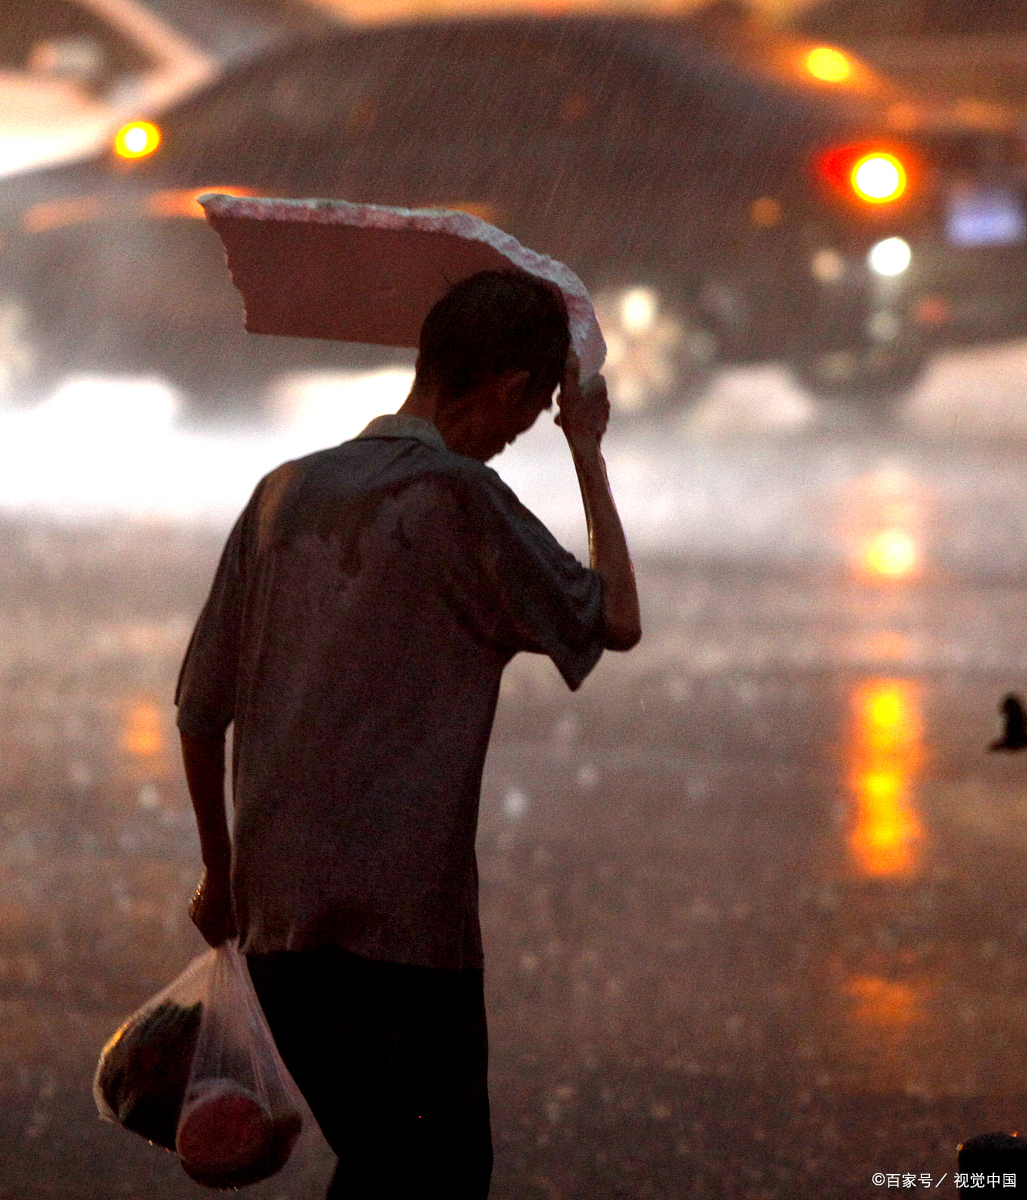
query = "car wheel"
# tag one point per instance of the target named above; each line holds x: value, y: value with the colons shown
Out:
x: 877, y: 378
x: 661, y: 356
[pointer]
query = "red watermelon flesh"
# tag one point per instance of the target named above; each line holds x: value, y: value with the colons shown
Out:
x: 224, y: 1129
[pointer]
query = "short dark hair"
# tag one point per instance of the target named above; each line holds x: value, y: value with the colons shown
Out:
x: 492, y: 322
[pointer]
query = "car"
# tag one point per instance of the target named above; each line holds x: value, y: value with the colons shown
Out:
x: 729, y: 193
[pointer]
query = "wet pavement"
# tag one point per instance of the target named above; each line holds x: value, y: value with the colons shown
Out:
x: 753, y: 898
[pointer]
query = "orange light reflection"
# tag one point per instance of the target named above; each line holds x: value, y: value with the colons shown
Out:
x: 183, y: 202
x: 54, y: 214
x: 882, y: 518
x: 881, y: 1002
x: 885, y: 755
x: 143, y: 732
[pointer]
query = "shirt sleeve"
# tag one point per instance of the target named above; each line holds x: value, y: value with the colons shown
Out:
x: 545, y: 600
x: 206, y: 689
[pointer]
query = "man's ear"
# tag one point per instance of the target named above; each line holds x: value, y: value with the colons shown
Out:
x: 513, y: 383
x: 496, y: 393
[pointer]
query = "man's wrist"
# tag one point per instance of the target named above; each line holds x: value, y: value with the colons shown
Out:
x: 218, y: 863
x: 583, y: 440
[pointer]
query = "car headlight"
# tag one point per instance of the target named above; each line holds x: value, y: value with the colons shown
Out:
x: 890, y: 257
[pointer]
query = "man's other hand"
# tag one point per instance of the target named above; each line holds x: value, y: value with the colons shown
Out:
x: 211, y: 910
x: 583, y: 414
x: 583, y: 410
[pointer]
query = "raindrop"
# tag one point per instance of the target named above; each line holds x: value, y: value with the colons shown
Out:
x: 80, y: 775
x: 149, y: 796
x: 702, y: 911
x: 588, y: 776
x: 566, y: 730
x: 515, y: 803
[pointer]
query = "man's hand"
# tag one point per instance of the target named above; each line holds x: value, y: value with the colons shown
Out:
x: 211, y: 909
x: 583, y: 410
x: 583, y: 414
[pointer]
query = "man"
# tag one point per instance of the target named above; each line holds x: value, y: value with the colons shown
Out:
x: 363, y: 610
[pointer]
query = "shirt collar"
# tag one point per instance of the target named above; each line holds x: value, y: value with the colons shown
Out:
x: 395, y: 425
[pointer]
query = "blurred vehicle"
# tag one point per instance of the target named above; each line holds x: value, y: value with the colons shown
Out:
x: 728, y: 193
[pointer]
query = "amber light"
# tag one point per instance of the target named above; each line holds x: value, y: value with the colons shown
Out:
x: 828, y: 64
x: 137, y: 139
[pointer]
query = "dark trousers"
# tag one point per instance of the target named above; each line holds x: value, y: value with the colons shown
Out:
x: 393, y: 1061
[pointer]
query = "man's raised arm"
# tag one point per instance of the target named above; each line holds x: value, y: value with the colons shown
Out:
x: 583, y: 415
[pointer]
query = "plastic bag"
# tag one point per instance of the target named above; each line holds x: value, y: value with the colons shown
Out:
x: 196, y: 1070
x: 143, y: 1071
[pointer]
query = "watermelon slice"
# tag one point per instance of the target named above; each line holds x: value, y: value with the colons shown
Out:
x: 227, y: 1138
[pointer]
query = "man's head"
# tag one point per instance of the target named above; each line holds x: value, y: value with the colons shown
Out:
x: 492, y: 351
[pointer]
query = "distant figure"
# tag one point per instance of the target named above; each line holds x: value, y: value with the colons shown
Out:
x: 1014, y: 732
x: 365, y: 606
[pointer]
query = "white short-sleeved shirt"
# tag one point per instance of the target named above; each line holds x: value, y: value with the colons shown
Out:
x: 366, y: 603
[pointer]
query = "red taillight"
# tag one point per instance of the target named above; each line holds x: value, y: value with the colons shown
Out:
x: 879, y: 178
x: 872, y: 175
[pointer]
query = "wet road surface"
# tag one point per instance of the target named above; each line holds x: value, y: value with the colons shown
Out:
x: 753, y: 899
